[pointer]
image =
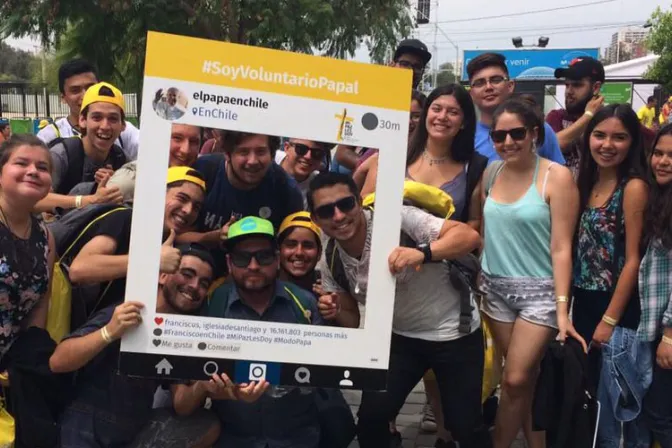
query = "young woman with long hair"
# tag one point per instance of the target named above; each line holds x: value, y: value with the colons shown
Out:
x: 613, y: 196
x: 26, y: 247
x: 655, y: 287
x: 529, y: 214
x: 611, y: 186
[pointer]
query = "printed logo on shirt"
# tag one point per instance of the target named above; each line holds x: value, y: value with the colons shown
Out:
x: 265, y: 212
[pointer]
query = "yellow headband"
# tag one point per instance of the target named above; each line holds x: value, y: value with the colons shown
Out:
x: 300, y: 219
x: 183, y: 173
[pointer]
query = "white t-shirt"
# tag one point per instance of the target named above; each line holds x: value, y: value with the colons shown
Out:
x: 426, y: 305
x: 129, y: 140
x: 303, y: 186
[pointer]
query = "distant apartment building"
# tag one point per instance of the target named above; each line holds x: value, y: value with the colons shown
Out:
x: 628, y: 43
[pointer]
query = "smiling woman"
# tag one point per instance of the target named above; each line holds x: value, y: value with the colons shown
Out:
x: 25, y: 244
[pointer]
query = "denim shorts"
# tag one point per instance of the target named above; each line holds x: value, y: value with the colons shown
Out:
x: 529, y: 298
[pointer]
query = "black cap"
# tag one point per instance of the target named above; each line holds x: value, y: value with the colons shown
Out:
x: 413, y: 46
x: 583, y: 67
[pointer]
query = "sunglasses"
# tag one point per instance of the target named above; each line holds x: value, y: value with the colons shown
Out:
x: 516, y: 134
x: 327, y: 211
x: 242, y: 259
x: 302, y: 150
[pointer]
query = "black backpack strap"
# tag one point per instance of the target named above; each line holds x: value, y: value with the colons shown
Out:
x: 335, y: 265
x: 74, y: 151
x: 475, y: 169
x: 117, y: 157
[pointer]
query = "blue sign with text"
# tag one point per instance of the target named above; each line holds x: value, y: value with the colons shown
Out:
x: 533, y: 64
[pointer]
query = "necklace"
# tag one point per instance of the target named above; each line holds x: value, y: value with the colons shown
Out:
x: 434, y: 160
x: 22, y: 235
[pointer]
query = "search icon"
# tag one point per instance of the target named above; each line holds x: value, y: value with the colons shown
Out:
x: 302, y: 375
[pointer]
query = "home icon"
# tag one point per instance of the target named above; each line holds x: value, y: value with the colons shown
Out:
x: 164, y: 367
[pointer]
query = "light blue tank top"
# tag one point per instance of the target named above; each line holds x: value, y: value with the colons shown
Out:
x: 518, y: 235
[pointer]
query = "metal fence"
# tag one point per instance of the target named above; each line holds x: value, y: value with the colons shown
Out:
x: 19, y: 100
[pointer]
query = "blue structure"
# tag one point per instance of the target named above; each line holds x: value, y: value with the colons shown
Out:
x: 533, y: 64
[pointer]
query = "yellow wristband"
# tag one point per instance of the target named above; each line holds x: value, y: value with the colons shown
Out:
x: 609, y: 320
x: 78, y: 201
x: 589, y: 113
x: 562, y: 299
x: 667, y: 340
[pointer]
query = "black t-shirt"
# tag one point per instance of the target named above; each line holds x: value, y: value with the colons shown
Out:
x: 90, y: 298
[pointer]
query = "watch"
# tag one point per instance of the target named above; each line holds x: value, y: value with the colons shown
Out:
x: 427, y: 251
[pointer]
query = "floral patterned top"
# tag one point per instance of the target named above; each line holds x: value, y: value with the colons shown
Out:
x: 24, y: 278
x: 595, y: 245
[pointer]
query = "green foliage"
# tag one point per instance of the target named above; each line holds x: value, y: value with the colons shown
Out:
x: 660, y: 43
x: 15, y: 65
x: 112, y: 33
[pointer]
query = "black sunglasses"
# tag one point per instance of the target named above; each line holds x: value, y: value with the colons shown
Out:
x: 302, y: 150
x: 327, y: 211
x: 242, y: 259
x: 517, y: 134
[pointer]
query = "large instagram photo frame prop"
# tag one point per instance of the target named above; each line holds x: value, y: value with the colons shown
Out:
x: 309, y: 97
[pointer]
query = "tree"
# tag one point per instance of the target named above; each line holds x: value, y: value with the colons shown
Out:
x: 15, y: 65
x: 660, y: 43
x: 112, y: 33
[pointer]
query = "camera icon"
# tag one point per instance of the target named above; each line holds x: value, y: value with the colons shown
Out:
x: 257, y: 372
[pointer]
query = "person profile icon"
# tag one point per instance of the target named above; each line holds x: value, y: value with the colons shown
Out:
x: 346, y: 381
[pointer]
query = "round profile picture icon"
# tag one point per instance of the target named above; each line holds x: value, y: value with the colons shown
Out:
x: 170, y: 104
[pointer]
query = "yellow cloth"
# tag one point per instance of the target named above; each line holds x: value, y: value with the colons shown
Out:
x: 647, y: 115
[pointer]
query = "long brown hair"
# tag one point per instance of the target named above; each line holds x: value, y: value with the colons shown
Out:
x: 658, y: 218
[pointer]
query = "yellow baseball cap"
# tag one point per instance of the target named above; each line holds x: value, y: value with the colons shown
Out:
x: 93, y: 95
x: 184, y: 173
x: 300, y: 219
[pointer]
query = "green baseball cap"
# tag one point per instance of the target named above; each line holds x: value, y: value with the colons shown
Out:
x: 250, y: 226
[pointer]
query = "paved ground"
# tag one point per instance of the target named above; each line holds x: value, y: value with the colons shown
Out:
x: 408, y: 422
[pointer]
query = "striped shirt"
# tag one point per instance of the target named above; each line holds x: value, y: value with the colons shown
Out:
x: 655, y: 290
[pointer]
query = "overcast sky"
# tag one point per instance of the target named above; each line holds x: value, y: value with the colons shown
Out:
x: 572, y: 27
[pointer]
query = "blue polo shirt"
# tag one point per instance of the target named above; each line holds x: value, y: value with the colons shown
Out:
x: 549, y: 150
x: 271, y: 422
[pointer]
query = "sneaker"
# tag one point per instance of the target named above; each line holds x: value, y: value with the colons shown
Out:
x: 428, y: 422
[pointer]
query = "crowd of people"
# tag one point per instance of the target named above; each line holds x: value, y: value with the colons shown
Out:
x: 553, y: 233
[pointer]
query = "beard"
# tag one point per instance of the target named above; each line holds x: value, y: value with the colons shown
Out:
x: 580, y: 107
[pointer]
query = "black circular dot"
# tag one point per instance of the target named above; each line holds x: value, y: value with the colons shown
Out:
x: 157, y: 332
x: 202, y: 346
x: 369, y: 121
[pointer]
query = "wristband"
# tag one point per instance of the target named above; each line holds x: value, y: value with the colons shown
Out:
x: 106, y: 335
x: 562, y: 299
x: 667, y: 340
x: 426, y: 251
x: 589, y: 113
x: 609, y: 320
x: 78, y: 201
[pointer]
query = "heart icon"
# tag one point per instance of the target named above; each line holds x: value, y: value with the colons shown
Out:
x: 157, y: 342
x: 158, y: 320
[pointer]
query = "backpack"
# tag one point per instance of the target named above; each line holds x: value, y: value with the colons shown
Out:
x: 301, y: 307
x: 462, y: 272
x: 59, y: 137
x: 475, y: 169
x: 74, y: 151
x: 67, y: 232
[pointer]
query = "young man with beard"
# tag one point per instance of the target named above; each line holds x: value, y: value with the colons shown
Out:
x: 102, y: 253
x: 583, y: 79
x: 91, y: 158
x: 426, y: 327
x: 490, y: 87
x: 74, y: 78
x: 302, y: 160
x: 282, y: 417
x: 243, y: 181
x: 109, y: 409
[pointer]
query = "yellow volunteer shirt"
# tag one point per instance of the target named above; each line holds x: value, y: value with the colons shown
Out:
x: 647, y: 115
